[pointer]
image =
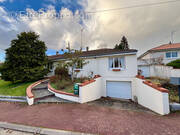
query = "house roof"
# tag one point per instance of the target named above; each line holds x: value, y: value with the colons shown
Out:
x: 164, y: 47
x: 96, y: 53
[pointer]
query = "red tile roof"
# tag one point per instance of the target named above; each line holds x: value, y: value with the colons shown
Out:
x: 95, y: 53
x: 167, y: 46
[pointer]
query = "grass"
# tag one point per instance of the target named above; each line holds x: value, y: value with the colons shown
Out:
x: 173, y: 89
x: 10, y: 89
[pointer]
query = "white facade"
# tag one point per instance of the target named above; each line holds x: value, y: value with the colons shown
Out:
x: 100, y: 66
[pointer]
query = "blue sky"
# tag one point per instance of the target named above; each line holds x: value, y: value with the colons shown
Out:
x: 22, y: 5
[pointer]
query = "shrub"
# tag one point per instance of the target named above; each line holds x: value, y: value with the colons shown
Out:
x: 53, y: 79
x: 62, y: 84
x: 174, y: 64
x: 61, y: 72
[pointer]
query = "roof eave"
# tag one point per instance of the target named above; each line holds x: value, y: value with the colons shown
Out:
x: 97, y: 56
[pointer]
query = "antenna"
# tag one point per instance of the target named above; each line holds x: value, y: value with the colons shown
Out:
x: 172, y: 36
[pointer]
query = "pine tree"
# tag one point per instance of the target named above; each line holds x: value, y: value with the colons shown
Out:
x: 123, y: 45
x: 26, y: 59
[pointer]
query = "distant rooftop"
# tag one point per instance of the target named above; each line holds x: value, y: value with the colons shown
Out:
x: 167, y: 46
x: 96, y: 53
x: 164, y: 47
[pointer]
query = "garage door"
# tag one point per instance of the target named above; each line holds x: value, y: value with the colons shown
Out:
x: 119, y: 89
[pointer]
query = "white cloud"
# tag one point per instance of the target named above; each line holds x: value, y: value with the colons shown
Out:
x: 2, y: 0
x: 145, y: 27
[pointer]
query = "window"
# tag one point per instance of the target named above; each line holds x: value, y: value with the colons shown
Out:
x: 168, y: 55
x: 171, y: 55
x: 116, y: 63
x: 174, y: 54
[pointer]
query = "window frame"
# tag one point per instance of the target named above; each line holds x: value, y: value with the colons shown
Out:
x: 171, y: 54
x: 111, y: 60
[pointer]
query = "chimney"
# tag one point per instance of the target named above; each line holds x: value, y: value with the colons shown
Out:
x: 87, y: 48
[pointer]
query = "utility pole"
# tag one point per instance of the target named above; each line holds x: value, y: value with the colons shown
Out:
x: 81, y: 37
x: 68, y: 47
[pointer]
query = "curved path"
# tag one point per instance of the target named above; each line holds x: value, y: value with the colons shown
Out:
x: 42, y: 95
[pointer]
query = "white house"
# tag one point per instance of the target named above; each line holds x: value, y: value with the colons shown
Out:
x: 115, y: 76
x: 162, y: 54
x: 151, y: 62
x: 116, y: 67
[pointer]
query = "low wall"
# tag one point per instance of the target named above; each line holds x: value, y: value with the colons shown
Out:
x: 64, y: 95
x: 88, y: 91
x: 160, y: 71
x: 29, y: 94
x: 91, y: 92
x: 150, y: 96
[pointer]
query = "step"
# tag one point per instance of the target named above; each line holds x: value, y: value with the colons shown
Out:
x: 52, y: 99
x: 38, y: 94
x: 40, y: 86
x: 12, y: 100
x: 175, y: 106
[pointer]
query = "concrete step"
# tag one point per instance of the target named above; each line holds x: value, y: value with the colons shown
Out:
x: 39, y: 94
x: 174, y: 106
x: 40, y: 86
x: 52, y: 99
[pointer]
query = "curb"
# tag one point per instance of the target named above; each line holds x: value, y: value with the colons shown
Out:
x: 13, y: 97
x: 175, y: 106
x: 38, y: 130
x: 13, y: 100
x: 5, y: 98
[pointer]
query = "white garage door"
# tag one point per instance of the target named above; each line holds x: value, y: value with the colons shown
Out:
x: 119, y: 89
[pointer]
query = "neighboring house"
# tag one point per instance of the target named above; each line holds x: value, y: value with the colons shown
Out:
x: 116, y: 67
x: 160, y: 55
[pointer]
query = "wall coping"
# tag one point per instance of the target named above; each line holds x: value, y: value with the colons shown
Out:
x: 161, y: 89
x: 140, y: 77
x: 30, y: 87
x: 155, y: 86
x: 89, y: 81
x: 60, y: 92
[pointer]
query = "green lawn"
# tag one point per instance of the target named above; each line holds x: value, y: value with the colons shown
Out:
x: 18, y: 89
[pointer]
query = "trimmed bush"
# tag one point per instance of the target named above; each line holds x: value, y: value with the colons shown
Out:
x: 174, y: 64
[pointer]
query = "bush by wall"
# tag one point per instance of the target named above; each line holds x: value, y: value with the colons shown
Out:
x: 174, y: 64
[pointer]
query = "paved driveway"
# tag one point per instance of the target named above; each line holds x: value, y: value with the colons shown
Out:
x: 90, y: 119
